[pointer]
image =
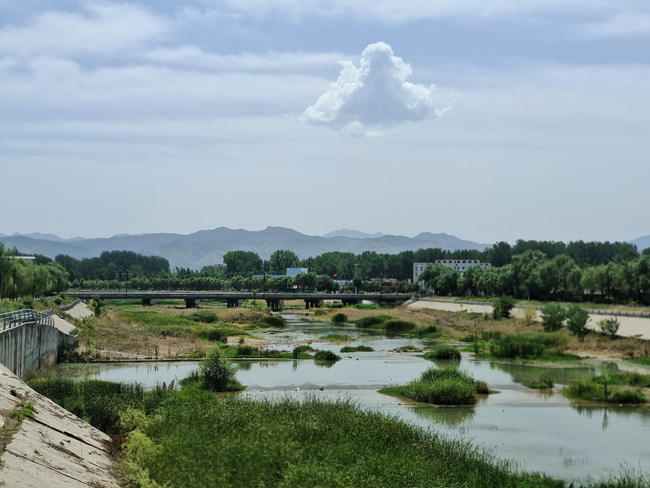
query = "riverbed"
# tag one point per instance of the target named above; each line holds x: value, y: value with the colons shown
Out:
x: 536, y: 430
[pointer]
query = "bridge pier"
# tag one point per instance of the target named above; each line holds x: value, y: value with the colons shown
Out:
x: 275, y: 305
x: 311, y: 303
x: 191, y: 302
x: 148, y: 302
x: 234, y: 302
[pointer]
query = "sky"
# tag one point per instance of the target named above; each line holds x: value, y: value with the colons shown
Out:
x: 485, y: 119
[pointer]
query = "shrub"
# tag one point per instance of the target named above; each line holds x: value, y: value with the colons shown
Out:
x: 526, y: 346
x: 205, y: 316
x: 501, y: 307
x: 545, y: 381
x: 626, y: 395
x: 366, y: 322
x: 339, y: 318
x: 530, y: 315
x: 553, y: 316
x: 214, y: 335
x: 245, y: 350
x: 609, y: 326
x: 577, y: 318
x: 398, y: 326
x: 274, y: 321
x: 216, y: 371
x: 357, y: 349
x: 326, y: 356
x: 444, y: 352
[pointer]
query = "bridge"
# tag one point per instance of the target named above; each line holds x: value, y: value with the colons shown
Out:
x: 273, y: 300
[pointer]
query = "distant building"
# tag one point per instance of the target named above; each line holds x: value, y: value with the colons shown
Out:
x: 459, y: 265
x: 296, y: 271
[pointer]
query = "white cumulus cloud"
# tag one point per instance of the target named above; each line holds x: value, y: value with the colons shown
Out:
x: 374, y: 96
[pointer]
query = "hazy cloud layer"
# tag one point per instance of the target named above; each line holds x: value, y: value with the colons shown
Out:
x: 374, y: 96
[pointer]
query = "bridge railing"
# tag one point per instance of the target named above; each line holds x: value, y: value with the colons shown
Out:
x: 25, y: 316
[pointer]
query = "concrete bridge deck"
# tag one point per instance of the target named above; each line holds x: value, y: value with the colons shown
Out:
x: 274, y: 300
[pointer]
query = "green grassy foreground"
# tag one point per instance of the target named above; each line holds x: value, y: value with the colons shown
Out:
x: 191, y: 438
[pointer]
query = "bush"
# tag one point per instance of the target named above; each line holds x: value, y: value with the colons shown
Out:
x: 609, y: 326
x: 501, y: 307
x: 444, y: 352
x: 275, y: 321
x: 326, y: 356
x: 526, y: 346
x: 357, y: 349
x: 366, y: 322
x: 530, y: 315
x: 553, y: 316
x: 339, y: 318
x: 205, y: 316
x: 216, y: 371
x: 245, y: 350
x: 577, y: 318
x: 398, y: 326
x: 545, y: 381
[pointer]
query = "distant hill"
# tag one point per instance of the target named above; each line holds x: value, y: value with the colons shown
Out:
x: 208, y: 246
x: 641, y: 242
x: 355, y: 234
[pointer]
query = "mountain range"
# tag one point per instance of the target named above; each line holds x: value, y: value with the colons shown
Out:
x: 207, y: 247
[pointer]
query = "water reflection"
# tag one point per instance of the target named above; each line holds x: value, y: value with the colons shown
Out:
x: 614, y: 416
x: 451, y: 417
x: 561, y: 373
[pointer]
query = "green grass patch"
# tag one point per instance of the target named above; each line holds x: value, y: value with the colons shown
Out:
x: 156, y: 323
x: 397, y: 326
x: 642, y: 361
x: 409, y: 348
x: 439, y: 386
x: 205, y: 316
x: 373, y: 322
x: 357, y: 349
x: 24, y: 411
x: 544, y: 382
x: 337, y: 337
x: 541, y: 347
x: 621, y: 388
x: 443, y: 352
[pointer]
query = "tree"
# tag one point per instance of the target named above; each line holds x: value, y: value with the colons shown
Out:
x: 282, y: 259
x: 553, y: 316
x: 577, y: 318
x: 609, y: 326
x: 97, y: 306
x: 216, y: 370
x: 502, y: 307
x: 242, y: 263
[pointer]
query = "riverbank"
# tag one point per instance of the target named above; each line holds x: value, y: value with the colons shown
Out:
x: 45, y: 445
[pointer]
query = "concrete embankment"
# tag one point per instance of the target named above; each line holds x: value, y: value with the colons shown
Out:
x: 54, y: 449
x: 630, y: 326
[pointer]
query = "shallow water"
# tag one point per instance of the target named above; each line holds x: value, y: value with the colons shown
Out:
x: 537, y: 430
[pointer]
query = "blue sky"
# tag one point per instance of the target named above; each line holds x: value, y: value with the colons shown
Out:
x: 489, y: 120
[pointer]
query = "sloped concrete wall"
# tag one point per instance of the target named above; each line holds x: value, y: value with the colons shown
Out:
x: 30, y: 349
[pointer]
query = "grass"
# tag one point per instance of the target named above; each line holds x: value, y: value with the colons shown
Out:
x: 443, y: 352
x: 192, y: 438
x: 439, y: 386
x: 621, y: 388
x: 24, y: 411
x: 357, y: 349
x: 337, y: 338
x: 642, y: 361
x: 339, y: 318
x: 544, y: 382
x: 373, y: 321
x: 539, y: 346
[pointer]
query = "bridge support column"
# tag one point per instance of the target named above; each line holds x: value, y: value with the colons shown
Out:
x: 234, y: 302
x: 192, y: 302
x: 311, y: 303
x: 275, y: 305
x: 148, y: 302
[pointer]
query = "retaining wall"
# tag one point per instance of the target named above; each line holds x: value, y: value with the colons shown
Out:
x: 31, y: 349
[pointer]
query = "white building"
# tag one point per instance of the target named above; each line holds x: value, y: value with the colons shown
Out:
x: 459, y: 265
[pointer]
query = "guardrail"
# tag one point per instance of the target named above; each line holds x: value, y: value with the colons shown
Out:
x: 26, y: 316
x: 593, y: 311
x: 65, y: 308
